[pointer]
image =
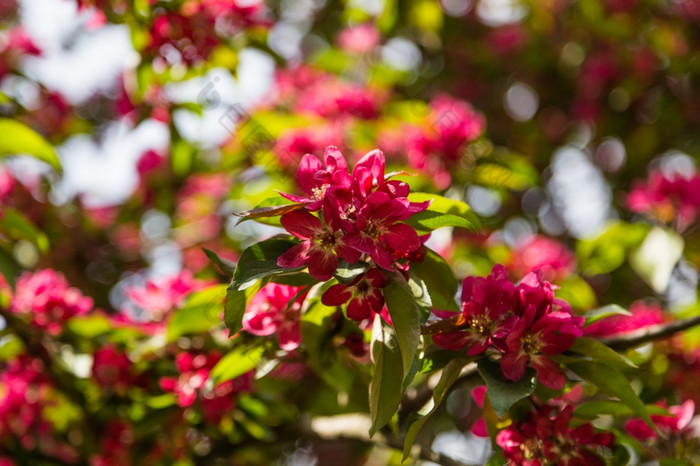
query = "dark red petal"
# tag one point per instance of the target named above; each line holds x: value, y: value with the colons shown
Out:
x: 513, y: 365
x: 306, y: 172
x: 402, y: 237
x: 548, y: 372
x: 347, y: 252
x: 376, y: 300
x: 322, y: 264
x: 334, y: 160
x: 359, y: 309
x: 382, y: 258
x: 296, y: 256
x: 336, y: 295
x: 376, y: 278
x: 301, y: 224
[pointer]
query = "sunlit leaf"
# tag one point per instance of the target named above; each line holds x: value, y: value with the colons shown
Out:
x: 385, y: 387
x: 18, y: 139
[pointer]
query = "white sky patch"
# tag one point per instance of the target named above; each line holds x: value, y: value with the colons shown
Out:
x: 218, y: 91
x: 104, y: 173
x: 580, y: 194
x: 75, y: 62
x: 496, y: 13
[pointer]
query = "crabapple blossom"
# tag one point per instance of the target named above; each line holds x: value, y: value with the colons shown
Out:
x: 272, y: 310
x: 363, y: 292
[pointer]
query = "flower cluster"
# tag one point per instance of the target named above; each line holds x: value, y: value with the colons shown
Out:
x: 357, y: 215
x: 193, y: 383
x: 547, y: 254
x: 435, y: 146
x: 546, y: 438
x: 667, y: 198
x: 47, y: 299
x: 523, y: 323
x: 274, y: 309
x: 677, y: 423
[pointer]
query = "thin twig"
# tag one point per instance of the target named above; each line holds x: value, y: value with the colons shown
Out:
x: 649, y: 334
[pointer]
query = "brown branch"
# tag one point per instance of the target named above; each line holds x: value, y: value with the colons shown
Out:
x: 649, y: 334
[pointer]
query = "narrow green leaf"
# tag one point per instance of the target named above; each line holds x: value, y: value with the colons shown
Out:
x: 260, y: 260
x: 600, y: 313
x: 90, y: 326
x: 236, y: 363
x: 198, y: 314
x: 385, y: 387
x: 593, y: 409
x: 345, y: 273
x: 439, y: 205
x: 601, y: 353
x: 428, y: 220
x: 17, y: 138
x: 235, y: 304
x: 504, y: 393
x: 226, y: 266
x: 612, y: 382
x: 447, y: 378
x: 405, y: 316
x: 440, y: 280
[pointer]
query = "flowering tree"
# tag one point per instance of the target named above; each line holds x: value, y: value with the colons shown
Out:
x: 349, y: 233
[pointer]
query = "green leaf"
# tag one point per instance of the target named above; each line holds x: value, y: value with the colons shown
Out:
x: 226, y: 266
x: 447, y: 379
x: 442, y: 212
x: 385, y: 387
x: 260, y: 260
x: 198, y: 314
x: 599, y: 352
x: 612, y: 382
x: 236, y: 363
x: 440, y: 280
x: 345, y: 273
x: 593, y: 409
x: 600, y: 313
x: 504, y: 393
x: 608, y: 250
x: 405, y: 316
x: 235, y: 304
x: 17, y: 138
x: 90, y: 326
x: 15, y: 225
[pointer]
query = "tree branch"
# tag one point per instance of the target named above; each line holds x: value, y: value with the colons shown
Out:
x: 649, y: 334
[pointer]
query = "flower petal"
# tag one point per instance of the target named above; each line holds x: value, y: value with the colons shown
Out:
x: 301, y: 224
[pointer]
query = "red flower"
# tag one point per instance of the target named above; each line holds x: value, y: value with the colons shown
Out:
x: 314, y: 179
x: 363, y: 293
x: 320, y: 248
x: 487, y: 307
x: 667, y: 198
x: 112, y: 369
x: 546, y: 438
x: 534, y: 339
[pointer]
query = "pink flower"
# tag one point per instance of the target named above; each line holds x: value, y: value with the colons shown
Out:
x: 546, y: 327
x: 272, y: 310
x: 361, y: 38
x: 112, y: 369
x: 363, y: 293
x: 320, y: 247
x: 487, y: 311
x: 438, y: 145
x: 643, y: 315
x: 547, y: 254
x: 479, y: 427
x: 545, y: 437
x: 667, y: 198
x: 158, y: 297
x: 377, y: 230
x: 191, y: 385
x: 676, y: 423
x: 314, y: 179
x: 526, y: 324
x: 48, y: 300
